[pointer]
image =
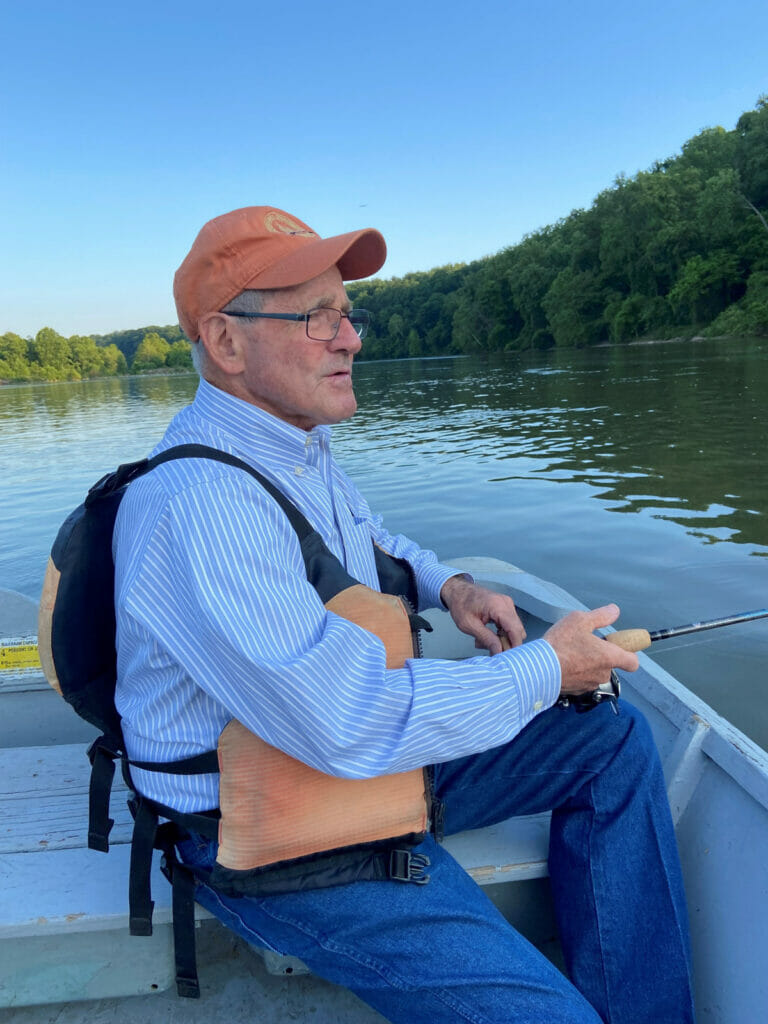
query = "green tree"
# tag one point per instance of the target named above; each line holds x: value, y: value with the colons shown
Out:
x: 705, y: 285
x: 709, y: 151
x: 14, y: 364
x: 180, y: 355
x: 751, y: 154
x: 51, y: 356
x: 720, y: 213
x: 396, y: 328
x: 151, y: 354
x: 86, y: 356
x: 415, y: 346
x: 574, y: 308
x: 750, y: 316
x: 113, y: 361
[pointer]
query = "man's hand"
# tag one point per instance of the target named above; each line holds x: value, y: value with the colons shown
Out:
x: 473, y: 607
x: 586, y: 660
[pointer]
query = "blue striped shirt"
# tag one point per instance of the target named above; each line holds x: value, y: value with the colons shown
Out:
x: 216, y: 620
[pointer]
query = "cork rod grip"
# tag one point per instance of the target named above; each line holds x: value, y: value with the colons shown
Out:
x: 630, y: 639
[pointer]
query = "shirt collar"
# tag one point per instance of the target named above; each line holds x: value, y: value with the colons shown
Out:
x: 250, y: 429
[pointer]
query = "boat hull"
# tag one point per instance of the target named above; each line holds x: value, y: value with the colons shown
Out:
x: 718, y: 787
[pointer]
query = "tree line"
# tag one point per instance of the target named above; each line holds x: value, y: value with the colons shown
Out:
x: 49, y: 356
x: 679, y: 249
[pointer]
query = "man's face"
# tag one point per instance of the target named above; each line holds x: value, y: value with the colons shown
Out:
x: 301, y: 381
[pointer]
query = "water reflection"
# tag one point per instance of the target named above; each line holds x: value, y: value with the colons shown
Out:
x: 676, y: 432
x: 628, y: 474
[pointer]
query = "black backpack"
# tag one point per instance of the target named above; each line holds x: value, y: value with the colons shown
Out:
x: 76, y: 628
x: 76, y: 640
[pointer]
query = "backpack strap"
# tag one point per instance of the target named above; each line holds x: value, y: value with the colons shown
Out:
x: 149, y: 835
x: 102, y: 758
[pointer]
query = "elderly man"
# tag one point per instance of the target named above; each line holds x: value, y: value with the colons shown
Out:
x: 225, y: 622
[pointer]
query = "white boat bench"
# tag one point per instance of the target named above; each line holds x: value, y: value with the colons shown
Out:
x: 64, y: 908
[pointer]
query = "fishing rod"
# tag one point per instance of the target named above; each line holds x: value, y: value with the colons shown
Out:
x: 639, y: 639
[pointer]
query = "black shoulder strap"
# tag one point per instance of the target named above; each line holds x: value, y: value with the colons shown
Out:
x: 131, y: 471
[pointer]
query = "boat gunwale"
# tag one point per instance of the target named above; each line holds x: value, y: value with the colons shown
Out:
x: 725, y: 745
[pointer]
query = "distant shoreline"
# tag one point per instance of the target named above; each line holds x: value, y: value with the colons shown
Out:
x: 166, y: 372
x: 163, y: 372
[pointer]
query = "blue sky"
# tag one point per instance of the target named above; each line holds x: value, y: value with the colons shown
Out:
x: 454, y: 128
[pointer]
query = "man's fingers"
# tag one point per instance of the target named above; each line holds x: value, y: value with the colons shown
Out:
x: 511, y: 630
x: 585, y: 658
x: 475, y: 608
x: 630, y: 664
x: 604, y: 616
x: 485, y: 638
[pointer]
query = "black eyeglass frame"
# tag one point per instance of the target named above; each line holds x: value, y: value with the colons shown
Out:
x: 364, y: 324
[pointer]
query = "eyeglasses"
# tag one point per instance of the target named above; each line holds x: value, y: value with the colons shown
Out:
x: 322, y: 323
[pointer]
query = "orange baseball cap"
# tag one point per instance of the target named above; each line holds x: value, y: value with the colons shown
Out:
x: 262, y: 247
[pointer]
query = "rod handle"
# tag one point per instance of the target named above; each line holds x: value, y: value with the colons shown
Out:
x: 630, y: 639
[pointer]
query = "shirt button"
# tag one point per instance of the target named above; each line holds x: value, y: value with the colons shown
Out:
x: 298, y: 470
x: 538, y: 705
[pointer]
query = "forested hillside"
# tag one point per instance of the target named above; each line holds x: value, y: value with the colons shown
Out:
x: 679, y: 249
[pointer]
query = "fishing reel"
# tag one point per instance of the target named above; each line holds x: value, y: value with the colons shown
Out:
x: 609, y: 691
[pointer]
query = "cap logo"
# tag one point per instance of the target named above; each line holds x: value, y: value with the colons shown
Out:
x: 281, y: 223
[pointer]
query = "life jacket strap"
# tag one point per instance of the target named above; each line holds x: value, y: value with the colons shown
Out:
x: 370, y: 862
x: 197, y: 764
x: 148, y: 835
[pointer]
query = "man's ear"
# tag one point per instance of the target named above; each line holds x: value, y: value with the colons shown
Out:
x: 223, y: 344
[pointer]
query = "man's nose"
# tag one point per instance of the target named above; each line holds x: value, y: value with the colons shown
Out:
x: 347, y: 338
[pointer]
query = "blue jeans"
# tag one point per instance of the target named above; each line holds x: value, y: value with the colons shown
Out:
x: 443, y: 953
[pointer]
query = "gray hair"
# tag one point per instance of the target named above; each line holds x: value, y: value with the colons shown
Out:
x: 249, y: 301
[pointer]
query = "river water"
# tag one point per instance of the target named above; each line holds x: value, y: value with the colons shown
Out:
x: 633, y: 474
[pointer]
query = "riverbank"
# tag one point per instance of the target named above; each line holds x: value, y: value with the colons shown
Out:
x: 166, y: 371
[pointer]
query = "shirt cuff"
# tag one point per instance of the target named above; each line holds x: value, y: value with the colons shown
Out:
x: 431, y: 581
x: 537, y: 674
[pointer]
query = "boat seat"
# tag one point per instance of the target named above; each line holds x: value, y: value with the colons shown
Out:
x: 64, y: 908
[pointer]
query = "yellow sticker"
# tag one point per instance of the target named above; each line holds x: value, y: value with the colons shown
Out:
x: 18, y: 654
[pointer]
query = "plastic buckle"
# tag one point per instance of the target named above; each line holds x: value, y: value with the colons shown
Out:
x: 405, y: 866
